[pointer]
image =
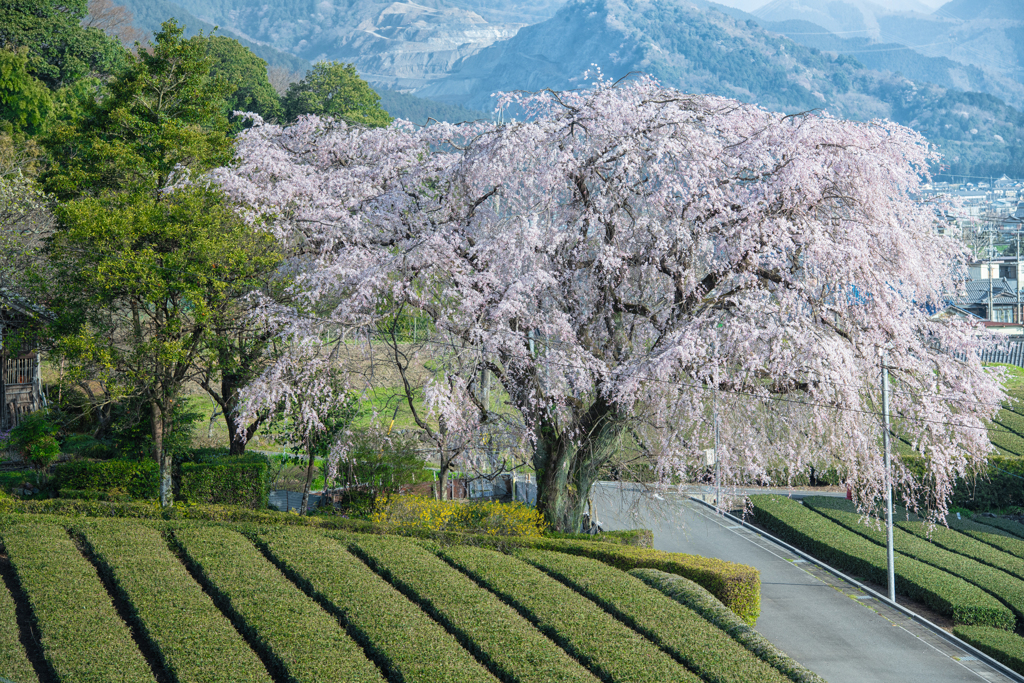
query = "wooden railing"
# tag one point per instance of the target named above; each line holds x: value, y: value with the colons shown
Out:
x: 20, y: 371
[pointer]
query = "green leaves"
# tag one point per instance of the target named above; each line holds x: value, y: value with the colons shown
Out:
x: 335, y: 90
x: 24, y: 100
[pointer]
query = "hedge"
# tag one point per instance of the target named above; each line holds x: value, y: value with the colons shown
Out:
x: 701, y: 647
x: 83, y: 638
x: 738, y: 586
x: 1008, y: 544
x: 193, y: 638
x: 404, y: 641
x: 496, y: 634
x: 137, y: 478
x: 848, y: 551
x: 963, y: 544
x: 710, y: 608
x: 244, y: 482
x: 1006, y: 588
x: 14, y: 663
x: 1007, y: 525
x: 641, y: 538
x: 297, y: 639
x: 1003, y: 646
x: 606, y: 646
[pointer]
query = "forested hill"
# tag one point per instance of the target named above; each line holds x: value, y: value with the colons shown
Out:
x: 701, y: 49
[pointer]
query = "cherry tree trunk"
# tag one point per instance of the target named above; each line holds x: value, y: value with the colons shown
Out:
x: 163, y: 459
x: 304, y: 508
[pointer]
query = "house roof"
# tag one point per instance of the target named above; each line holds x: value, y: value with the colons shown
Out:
x: 1003, y: 293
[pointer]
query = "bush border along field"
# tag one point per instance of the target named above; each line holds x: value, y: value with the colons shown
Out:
x: 811, y: 532
x: 1003, y: 586
x: 485, y: 626
x: 373, y: 610
x: 307, y: 644
x: 1003, y: 646
x: 14, y: 662
x: 702, y: 647
x: 606, y: 646
x: 83, y: 638
x: 960, y: 543
x: 194, y: 640
x: 705, y: 604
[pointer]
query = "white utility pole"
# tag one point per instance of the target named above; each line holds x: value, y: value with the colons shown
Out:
x: 718, y: 461
x: 990, y: 274
x: 888, y: 481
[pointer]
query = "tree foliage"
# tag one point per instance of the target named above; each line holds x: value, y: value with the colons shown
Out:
x: 630, y: 256
x: 335, y: 90
x: 237, y: 65
x: 24, y: 100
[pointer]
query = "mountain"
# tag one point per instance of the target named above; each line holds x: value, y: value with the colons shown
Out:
x: 701, y: 49
x: 844, y: 17
x: 969, y: 10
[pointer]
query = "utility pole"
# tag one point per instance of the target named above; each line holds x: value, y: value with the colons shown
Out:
x: 1016, y: 277
x: 990, y: 274
x: 718, y: 461
x: 888, y: 481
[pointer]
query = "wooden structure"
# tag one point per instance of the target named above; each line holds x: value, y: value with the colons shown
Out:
x: 21, y: 386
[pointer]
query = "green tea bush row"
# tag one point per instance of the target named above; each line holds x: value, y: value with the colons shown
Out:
x: 137, y: 478
x: 494, y: 632
x: 1007, y: 525
x: 83, y: 638
x: 1007, y: 440
x: 608, y: 647
x: 963, y: 544
x: 14, y: 663
x: 710, y: 608
x: 738, y: 586
x: 1011, y: 420
x: 704, y: 649
x: 948, y: 595
x: 303, y: 642
x: 1008, y: 544
x: 404, y: 641
x: 244, y: 482
x: 1006, y: 588
x: 1002, y: 646
x: 641, y: 538
x: 194, y: 639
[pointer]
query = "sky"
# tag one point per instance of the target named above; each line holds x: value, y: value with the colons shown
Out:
x: 751, y: 5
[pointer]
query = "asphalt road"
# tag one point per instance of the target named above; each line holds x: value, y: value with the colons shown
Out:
x: 824, y: 623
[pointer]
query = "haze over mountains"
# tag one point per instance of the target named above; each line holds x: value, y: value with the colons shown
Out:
x: 951, y: 73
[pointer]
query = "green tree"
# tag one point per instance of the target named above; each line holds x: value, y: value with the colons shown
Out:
x: 24, y: 100
x: 60, y: 50
x: 336, y: 90
x: 162, y: 117
x: 135, y: 282
x: 248, y: 73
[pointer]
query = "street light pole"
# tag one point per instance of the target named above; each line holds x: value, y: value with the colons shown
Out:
x: 889, y: 555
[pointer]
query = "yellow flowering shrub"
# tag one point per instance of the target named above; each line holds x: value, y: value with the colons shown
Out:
x: 419, y: 513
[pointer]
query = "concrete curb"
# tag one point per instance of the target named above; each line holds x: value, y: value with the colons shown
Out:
x: 942, y: 633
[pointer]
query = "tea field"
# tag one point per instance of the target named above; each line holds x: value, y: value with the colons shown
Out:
x: 138, y: 601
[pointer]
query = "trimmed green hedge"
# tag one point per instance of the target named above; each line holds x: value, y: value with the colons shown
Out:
x: 1007, y: 525
x: 244, y: 482
x: 848, y: 551
x: 1006, y: 588
x: 738, y: 586
x: 14, y: 662
x: 303, y: 642
x: 139, y: 479
x: 1003, y: 646
x: 488, y: 628
x: 83, y: 638
x: 700, y: 646
x: 710, y: 608
x: 963, y: 544
x: 606, y: 646
x: 405, y: 642
x: 641, y: 538
x: 988, y: 535
x: 194, y: 639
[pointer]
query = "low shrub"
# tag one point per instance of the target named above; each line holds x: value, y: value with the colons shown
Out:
x: 848, y: 551
x: 987, y: 535
x: 963, y: 544
x: 1006, y: 588
x: 374, y: 611
x: 702, y: 648
x: 14, y: 662
x: 607, y: 647
x: 419, y: 513
x: 293, y: 633
x: 1007, y: 525
x: 1002, y: 646
x: 491, y: 630
x: 83, y: 637
x: 193, y: 638
x: 139, y: 479
x: 710, y: 608
x: 241, y: 481
x: 738, y: 586
x: 641, y: 538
